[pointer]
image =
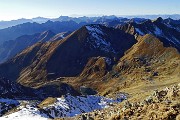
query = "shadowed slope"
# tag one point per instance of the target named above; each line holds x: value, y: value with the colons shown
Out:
x: 43, y: 62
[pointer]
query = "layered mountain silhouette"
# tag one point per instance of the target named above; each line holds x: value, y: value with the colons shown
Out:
x: 96, y: 56
x: 12, y: 33
x: 84, y: 19
x: 35, y: 65
x: 88, y: 20
x: 6, y: 24
x: 166, y: 30
x: 62, y: 24
x: 10, y: 48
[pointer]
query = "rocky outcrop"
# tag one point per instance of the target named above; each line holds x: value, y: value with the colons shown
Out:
x: 162, y: 104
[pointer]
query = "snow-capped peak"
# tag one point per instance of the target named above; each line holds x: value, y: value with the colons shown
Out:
x: 98, y: 39
x: 94, y: 29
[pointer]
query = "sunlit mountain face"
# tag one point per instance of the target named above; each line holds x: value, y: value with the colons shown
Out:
x: 89, y: 60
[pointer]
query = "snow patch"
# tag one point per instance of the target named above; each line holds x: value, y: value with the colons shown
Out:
x: 157, y: 32
x: 108, y: 60
x: 98, y: 39
x: 69, y: 106
x: 95, y: 29
x: 170, y: 26
x: 139, y: 31
x: 66, y: 106
x: 27, y: 112
x: 176, y: 40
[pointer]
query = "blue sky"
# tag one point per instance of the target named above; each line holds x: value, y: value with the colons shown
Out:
x: 14, y: 9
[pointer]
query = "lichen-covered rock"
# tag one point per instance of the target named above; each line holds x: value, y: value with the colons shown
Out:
x: 162, y: 104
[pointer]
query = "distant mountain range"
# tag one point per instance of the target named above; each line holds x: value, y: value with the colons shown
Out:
x: 15, y: 39
x: 61, y: 24
x: 12, y: 33
x: 6, y: 24
x: 165, y: 16
x: 10, y: 48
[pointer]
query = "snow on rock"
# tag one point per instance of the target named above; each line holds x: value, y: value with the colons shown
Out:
x: 108, y: 60
x: 94, y: 28
x: 27, y: 112
x: 157, y: 31
x: 66, y: 106
x: 139, y: 31
x: 98, y: 39
x: 176, y: 40
x: 170, y: 26
x: 69, y: 106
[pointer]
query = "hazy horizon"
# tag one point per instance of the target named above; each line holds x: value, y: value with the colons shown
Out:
x: 16, y: 9
x: 77, y: 16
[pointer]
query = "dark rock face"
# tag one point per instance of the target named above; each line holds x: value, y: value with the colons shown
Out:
x: 89, y: 41
x: 168, y: 30
x: 87, y: 91
x: 10, y: 89
x: 55, y: 90
x: 13, y: 90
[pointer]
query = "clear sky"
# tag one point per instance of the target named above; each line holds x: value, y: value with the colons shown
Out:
x: 14, y: 9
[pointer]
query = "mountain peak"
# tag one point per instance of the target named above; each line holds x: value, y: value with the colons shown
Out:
x: 98, y: 38
x: 159, y: 19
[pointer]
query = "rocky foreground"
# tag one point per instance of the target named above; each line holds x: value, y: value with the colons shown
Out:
x: 162, y: 104
x: 50, y: 108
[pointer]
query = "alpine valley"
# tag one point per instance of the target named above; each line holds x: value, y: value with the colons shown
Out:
x: 90, y: 68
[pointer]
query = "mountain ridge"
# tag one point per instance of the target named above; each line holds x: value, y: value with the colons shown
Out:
x: 159, y: 28
x: 11, y: 48
x: 69, y: 51
x: 133, y: 58
x: 6, y: 24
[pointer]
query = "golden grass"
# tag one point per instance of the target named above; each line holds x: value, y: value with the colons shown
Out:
x: 47, y: 102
